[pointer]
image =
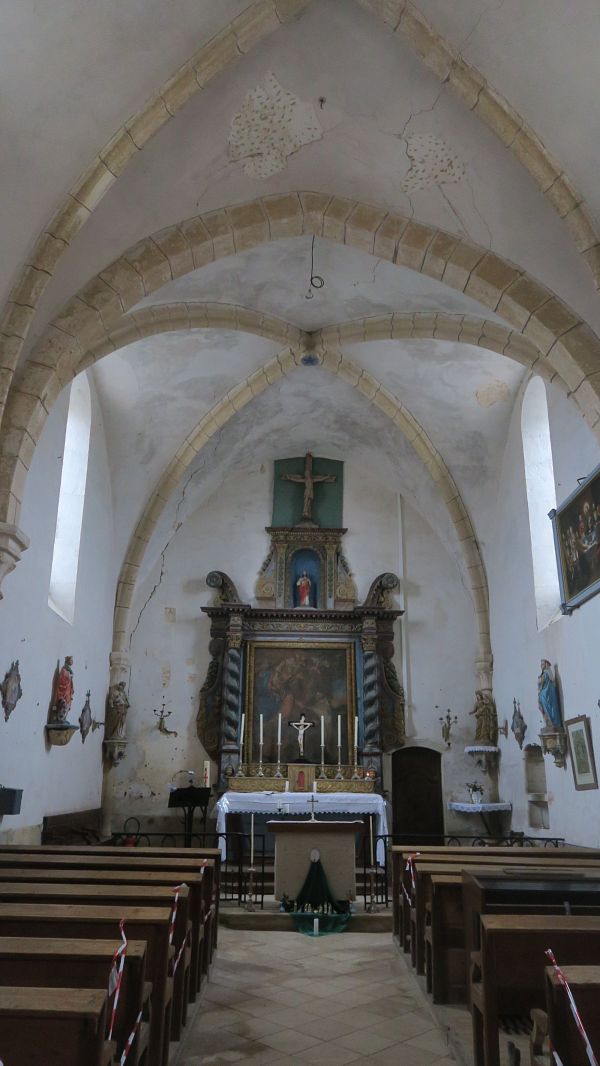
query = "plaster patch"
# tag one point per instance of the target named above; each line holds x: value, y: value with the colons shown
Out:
x: 170, y: 614
x: 271, y: 124
x: 166, y: 674
x: 495, y: 392
x: 431, y: 163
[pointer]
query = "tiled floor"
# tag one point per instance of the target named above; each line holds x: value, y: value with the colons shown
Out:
x: 285, y: 998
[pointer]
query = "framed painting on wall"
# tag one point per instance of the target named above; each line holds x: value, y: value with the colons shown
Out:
x: 576, y: 525
x: 581, y: 752
x: 298, y: 677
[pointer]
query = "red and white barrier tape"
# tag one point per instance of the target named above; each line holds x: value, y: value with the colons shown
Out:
x: 174, y: 912
x: 130, y: 1039
x: 116, y: 975
x: 179, y: 954
x: 561, y: 977
x: 409, y: 867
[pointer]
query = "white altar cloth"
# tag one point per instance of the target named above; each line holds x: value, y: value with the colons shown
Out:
x: 300, y: 803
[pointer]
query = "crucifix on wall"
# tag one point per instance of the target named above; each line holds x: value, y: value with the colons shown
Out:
x: 309, y: 480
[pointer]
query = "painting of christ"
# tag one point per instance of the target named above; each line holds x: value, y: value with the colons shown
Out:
x: 294, y: 679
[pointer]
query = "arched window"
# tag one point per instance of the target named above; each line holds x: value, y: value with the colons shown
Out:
x: 67, y: 539
x: 541, y: 498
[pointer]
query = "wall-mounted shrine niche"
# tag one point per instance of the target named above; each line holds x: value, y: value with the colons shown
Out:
x: 306, y: 648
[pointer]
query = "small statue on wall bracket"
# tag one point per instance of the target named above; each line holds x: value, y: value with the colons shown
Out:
x: 552, y: 736
x: 58, y: 729
x: 518, y: 724
x: 118, y: 706
x: 486, y: 719
x: 64, y: 690
x: 10, y: 689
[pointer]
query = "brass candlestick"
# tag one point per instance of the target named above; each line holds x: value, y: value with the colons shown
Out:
x: 339, y: 775
x: 278, y: 772
x: 322, y: 775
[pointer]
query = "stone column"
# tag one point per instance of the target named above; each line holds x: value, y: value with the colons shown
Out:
x: 114, y: 750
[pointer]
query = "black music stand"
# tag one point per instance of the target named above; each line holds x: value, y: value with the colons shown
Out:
x: 189, y: 798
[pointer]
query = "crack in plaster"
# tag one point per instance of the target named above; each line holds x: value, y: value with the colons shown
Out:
x: 176, y: 527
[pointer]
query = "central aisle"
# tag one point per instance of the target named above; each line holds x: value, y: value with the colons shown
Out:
x: 286, y: 998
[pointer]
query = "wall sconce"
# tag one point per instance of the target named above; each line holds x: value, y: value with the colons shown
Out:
x: 447, y: 724
x: 162, y: 715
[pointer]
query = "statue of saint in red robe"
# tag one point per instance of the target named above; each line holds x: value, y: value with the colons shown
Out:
x: 63, y: 694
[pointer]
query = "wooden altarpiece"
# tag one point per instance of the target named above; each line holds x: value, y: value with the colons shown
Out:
x: 347, y: 648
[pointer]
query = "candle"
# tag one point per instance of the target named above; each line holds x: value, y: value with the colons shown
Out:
x: 339, y: 730
x: 287, y: 786
x: 355, y: 730
x: 242, y: 724
x: 252, y: 839
x: 316, y: 926
x: 371, y: 827
x: 279, y: 728
x: 207, y: 773
x: 260, y: 729
x: 314, y: 786
x: 322, y: 731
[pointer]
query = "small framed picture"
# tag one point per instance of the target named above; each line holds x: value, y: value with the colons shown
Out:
x: 581, y: 752
x: 301, y: 777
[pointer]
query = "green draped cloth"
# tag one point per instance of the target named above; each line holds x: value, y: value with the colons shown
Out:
x: 316, y: 894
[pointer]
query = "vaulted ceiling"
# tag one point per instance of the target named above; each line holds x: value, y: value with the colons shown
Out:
x: 348, y: 98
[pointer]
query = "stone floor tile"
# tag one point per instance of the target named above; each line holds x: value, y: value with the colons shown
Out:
x: 324, y: 1028
x: 367, y: 1042
x: 434, y: 1041
x: 406, y: 1026
x: 251, y: 1027
x: 328, y: 1053
x: 401, y: 1055
x: 290, y: 1041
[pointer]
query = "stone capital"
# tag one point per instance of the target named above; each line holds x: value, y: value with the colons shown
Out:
x: 13, y: 542
x: 119, y: 666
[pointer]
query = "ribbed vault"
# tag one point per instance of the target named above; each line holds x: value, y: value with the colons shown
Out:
x: 93, y: 320
x: 261, y: 19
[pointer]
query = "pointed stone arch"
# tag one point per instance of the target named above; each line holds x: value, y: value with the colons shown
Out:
x: 375, y: 393
x: 568, y: 348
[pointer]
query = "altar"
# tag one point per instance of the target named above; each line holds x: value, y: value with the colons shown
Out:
x: 284, y: 803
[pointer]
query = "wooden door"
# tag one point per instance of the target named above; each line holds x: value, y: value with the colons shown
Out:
x: 417, y: 802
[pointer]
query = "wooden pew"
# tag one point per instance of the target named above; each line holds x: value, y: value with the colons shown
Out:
x: 483, y: 893
x: 121, y: 859
x: 507, y: 974
x: 212, y: 854
x: 400, y: 853
x: 446, y: 932
x: 31, y: 963
x: 421, y: 868
x: 118, y: 896
x: 82, y: 922
x: 584, y: 982
x: 194, y: 881
x: 53, y: 1027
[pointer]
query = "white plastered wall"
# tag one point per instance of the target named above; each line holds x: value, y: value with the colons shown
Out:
x: 62, y: 779
x: 570, y: 643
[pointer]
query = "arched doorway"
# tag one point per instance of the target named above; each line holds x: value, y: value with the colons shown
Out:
x: 417, y: 803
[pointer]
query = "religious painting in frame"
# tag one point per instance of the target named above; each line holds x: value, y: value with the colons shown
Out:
x: 582, y: 753
x: 576, y: 525
x: 298, y: 677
